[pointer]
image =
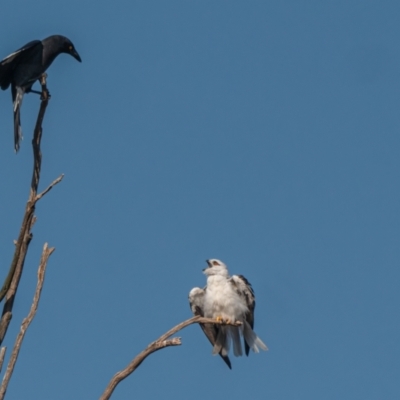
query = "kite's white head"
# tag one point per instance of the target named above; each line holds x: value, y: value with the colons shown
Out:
x: 216, y: 267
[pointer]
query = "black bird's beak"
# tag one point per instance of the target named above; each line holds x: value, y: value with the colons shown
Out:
x: 75, y: 54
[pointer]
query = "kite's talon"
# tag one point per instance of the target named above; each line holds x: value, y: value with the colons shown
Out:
x: 219, y: 319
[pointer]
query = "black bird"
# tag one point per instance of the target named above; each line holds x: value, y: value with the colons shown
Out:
x: 25, y: 66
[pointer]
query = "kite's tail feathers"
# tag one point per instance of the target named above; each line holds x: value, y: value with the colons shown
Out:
x: 222, y: 342
x: 219, y: 342
x: 19, y: 94
x: 252, y: 340
x: 237, y: 345
x: 221, y: 345
x: 211, y: 332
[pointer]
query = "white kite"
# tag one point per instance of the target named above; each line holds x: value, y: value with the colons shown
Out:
x: 227, y: 299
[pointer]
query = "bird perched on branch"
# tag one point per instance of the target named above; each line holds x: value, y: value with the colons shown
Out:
x: 227, y: 299
x: 25, y: 66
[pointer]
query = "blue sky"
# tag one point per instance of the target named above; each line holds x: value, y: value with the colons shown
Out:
x: 265, y: 134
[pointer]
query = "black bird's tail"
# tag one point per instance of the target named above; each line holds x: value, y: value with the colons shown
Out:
x: 18, y: 94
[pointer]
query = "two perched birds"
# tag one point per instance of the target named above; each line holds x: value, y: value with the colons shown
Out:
x: 226, y: 299
x: 25, y: 66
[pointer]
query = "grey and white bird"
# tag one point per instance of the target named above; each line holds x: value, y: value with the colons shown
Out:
x: 227, y: 299
x: 25, y: 66
x: 196, y: 300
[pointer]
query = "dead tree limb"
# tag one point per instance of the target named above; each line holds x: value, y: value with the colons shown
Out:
x: 11, y: 283
x: 2, y: 355
x: 158, y: 344
x: 27, y: 321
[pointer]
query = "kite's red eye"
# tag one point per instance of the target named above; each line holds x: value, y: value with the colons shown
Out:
x: 215, y: 263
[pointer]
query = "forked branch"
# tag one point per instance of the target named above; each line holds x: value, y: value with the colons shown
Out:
x: 158, y: 344
x: 11, y: 283
x: 27, y: 321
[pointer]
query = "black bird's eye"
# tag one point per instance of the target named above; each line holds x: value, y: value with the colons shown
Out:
x: 70, y: 48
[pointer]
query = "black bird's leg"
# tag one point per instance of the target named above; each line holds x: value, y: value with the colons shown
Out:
x: 45, y: 94
x: 39, y: 92
x: 35, y: 91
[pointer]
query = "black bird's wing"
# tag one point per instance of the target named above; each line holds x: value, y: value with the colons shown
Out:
x: 210, y: 330
x: 244, y: 289
x: 8, y: 65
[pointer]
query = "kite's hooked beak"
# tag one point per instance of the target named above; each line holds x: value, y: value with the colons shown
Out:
x: 209, y: 265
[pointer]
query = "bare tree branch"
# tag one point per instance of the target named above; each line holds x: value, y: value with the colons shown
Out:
x: 11, y: 283
x: 158, y: 344
x: 27, y: 321
x: 2, y: 355
x: 30, y: 206
x: 52, y: 184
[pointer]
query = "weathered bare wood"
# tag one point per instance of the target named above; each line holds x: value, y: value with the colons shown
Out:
x: 52, y: 184
x: 161, y: 343
x: 11, y: 283
x: 46, y: 253
x: 2, y: 355
x: 27, y: 221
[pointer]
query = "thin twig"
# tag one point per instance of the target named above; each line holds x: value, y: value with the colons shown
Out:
x: 158, y: 344
x: 27, y: 321
x: 52, y: 184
